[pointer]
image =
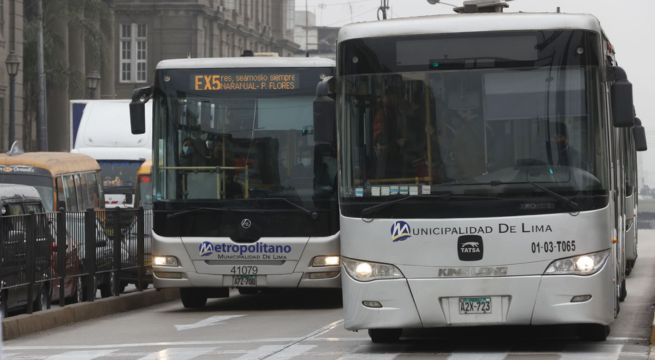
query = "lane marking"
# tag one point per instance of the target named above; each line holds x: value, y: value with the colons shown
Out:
x: 210, y: 321
x: 150, y: 344
x: 80, y: 355
x: 389, y: 356
x: 260, y: 352
x: 592, y: 352
x: 178, y: 353
x: 309, y: 336
x: 478, y: 356
x: 291, y: 352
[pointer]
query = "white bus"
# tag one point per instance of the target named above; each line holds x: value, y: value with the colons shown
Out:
x: 636, y: 141
x: 481, y: 172
x: 244, y: 176
x: 104, y: 134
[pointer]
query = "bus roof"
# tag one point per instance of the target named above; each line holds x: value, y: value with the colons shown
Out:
x: 245, y: 62
x: 145, y: 168
x: 56, y: 163
x: 466, y: 23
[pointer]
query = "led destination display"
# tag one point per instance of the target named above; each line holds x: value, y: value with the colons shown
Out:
x: 245, y: 82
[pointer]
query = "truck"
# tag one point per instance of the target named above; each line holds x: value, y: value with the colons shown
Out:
x: 101, y: 129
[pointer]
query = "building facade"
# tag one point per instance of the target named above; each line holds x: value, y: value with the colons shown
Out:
x: 137, y: 34
x: 11, y: 39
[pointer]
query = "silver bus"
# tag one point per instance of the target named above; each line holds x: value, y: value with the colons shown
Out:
x: 482, y: 176
x: 636, y: 141
x: 244, y: 188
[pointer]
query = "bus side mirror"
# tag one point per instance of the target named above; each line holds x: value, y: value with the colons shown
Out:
x: 138, y: 109
x: 622, y: 104
x: 325, y: 112
x: 639, y: 134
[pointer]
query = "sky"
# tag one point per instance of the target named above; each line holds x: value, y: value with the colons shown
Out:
x: 629, y: 24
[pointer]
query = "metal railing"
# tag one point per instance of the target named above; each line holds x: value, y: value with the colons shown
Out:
x: 69, y: 256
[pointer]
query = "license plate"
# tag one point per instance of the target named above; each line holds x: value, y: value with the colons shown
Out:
x: 244, y: 280
x: 475, y: 305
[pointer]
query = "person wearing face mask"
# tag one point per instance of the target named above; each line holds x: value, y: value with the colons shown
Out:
x: 189, y: 154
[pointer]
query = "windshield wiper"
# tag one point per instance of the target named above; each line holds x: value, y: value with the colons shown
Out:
x: 311, y: 213
x: 190, y: 211
x: 441, y: 195
x: 572, y: 204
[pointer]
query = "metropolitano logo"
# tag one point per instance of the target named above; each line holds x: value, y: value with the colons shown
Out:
x: 400, y: 231
x: 206, y: 248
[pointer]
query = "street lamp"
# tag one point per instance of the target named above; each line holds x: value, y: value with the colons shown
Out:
x: 92, y: 80
x: 13, y: 63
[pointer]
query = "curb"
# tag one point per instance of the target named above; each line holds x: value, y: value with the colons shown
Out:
x: 21, y: 325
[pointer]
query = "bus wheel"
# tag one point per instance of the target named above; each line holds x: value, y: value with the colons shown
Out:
x: 193, y: 298
x: 623, y: 291
x: 630, y: 264
x: 594, y: 332
x: 382, y: 336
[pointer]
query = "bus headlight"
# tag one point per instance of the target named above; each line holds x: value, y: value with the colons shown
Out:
x: 165, y: 261
x: 369, y: 271
x: 320, y: 261
x: 578, y: 265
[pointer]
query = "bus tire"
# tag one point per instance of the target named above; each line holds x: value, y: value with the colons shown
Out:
x: 384, y: 336
x: 630, y: 264
x: 623, y: 291
x: 594, y: 332
x: 193, y: 298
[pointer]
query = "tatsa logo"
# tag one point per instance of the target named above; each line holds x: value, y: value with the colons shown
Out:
x: 400, y: 231
x: 206, y: 248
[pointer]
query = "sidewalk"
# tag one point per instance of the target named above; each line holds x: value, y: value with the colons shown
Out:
x: 21, y: 325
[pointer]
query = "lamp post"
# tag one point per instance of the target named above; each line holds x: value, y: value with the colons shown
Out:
x: 13, y: 63
x: 92, y: 80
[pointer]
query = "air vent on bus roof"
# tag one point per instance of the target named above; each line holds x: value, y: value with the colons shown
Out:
x: 482, y: 6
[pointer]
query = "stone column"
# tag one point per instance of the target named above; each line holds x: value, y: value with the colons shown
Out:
x: 108, y: 55
x: 58, y: 98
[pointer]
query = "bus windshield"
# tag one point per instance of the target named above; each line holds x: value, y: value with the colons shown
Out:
x: 443, y: 116
x: 43, y: 184
x: 236, y: 140
x: 118, y: 173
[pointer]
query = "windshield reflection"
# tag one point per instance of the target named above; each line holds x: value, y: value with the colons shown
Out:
x: 414, y: 133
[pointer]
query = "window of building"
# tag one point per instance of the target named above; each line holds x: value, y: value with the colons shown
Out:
x: 133, y: 53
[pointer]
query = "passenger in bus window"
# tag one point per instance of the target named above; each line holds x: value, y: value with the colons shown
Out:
x: 190, y: 154
x: 565, y: 154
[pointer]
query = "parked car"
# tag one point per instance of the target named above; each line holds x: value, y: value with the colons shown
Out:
x: 16, y: 202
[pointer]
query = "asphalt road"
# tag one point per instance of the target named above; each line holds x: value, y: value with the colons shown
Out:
x: 308, y: 325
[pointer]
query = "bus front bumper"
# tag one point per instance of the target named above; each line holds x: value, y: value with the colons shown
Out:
x: 516, y: 300
x: 284, y: 274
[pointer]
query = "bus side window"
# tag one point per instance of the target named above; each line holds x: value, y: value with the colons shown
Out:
x: 80, y: 192
x: 92, y: 190
x: 61, y: 197
x: 100, y: 193
x: 70, y: 194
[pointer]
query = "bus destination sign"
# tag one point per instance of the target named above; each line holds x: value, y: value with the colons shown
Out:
x: 246, y: 82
